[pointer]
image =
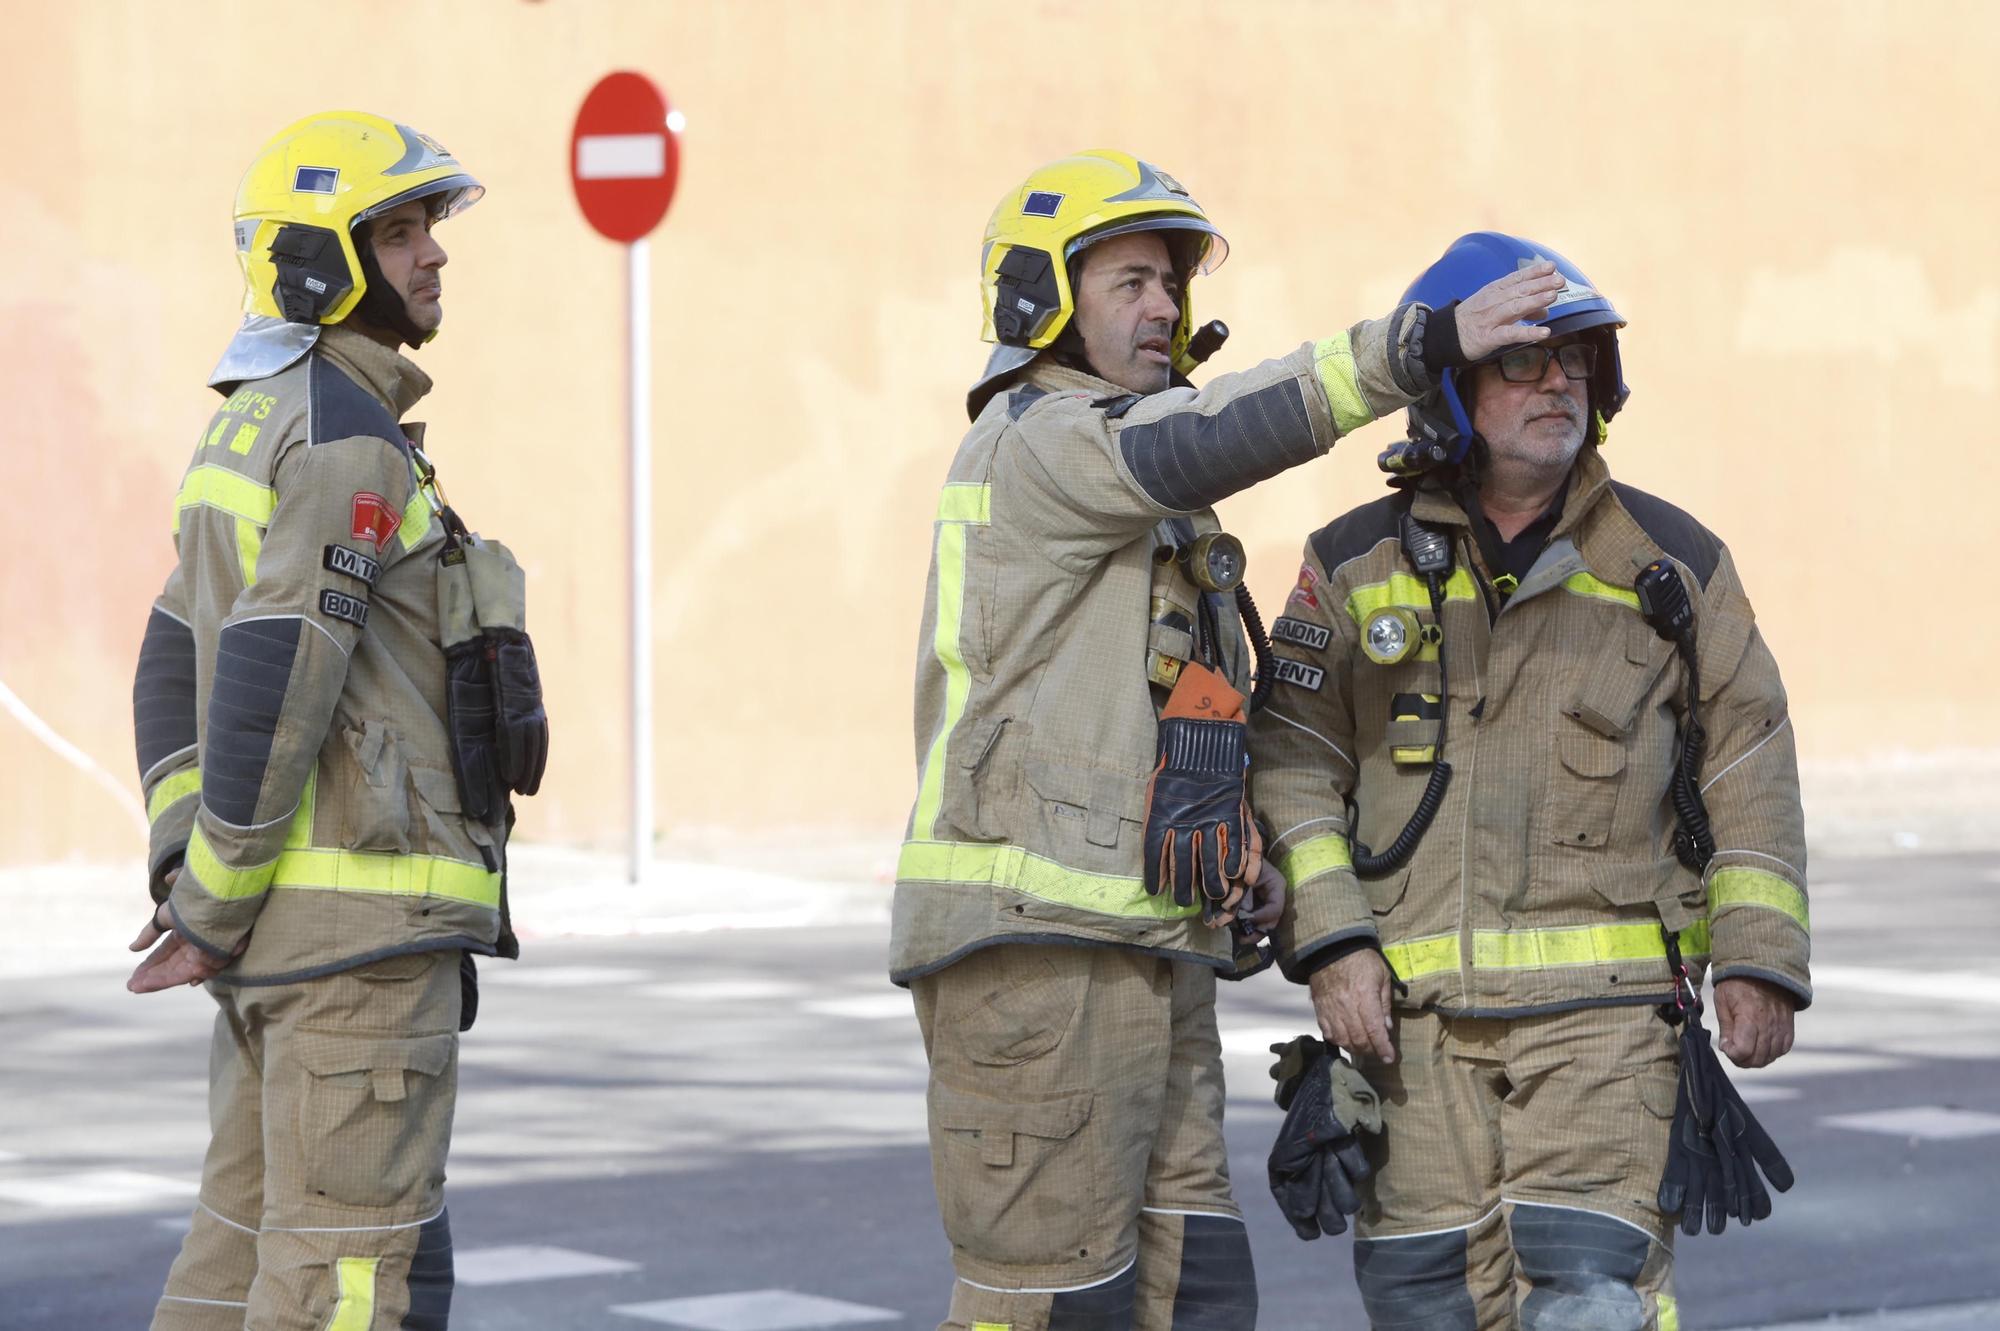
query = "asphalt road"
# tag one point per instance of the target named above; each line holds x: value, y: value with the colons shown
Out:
x: 725, y: 1131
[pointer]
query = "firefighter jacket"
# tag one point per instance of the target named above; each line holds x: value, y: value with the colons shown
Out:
x: 290, y: 697
x: 1036, y: 726
x: 1547, y: 875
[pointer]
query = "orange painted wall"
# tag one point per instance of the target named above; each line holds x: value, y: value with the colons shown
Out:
x: 1793, y: 203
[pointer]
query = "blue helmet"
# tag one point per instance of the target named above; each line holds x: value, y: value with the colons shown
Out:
x: 1440, y: 425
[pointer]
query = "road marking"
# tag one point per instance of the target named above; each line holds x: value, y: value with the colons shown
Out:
x: 522, y: 1262
x: 9, y: 1157
x: 1931, y: 986
x: 1259, y: 1039
x: 1925, y: 1122
x: 865, y: 1007
x: 756, y: 1310
x: 724, y: 991
x: 97, y: 1187
x: 563, y: 977
x: 1813, y: 1063
x: 1760, y: 1094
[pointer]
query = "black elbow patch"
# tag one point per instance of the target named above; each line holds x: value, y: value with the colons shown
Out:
x: 1188, y: 461
x: 163, y: 691
x: 253, y: 667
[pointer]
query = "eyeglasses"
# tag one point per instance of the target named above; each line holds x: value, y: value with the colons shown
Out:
x: 1527, y: 365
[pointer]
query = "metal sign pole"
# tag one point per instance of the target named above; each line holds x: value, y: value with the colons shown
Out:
x: 639, y: 361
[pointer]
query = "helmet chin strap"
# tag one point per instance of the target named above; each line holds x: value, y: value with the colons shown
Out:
x: 380, y: 304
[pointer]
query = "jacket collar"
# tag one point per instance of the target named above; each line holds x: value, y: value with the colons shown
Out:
x: 397, y: 382
x: 1611, y: 545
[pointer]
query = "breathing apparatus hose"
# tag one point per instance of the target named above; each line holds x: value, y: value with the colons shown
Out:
x: 1367, y: 864
x: 1694, y: 842
x: 1260, y: 643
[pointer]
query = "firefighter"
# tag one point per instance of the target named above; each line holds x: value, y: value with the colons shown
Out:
x: 334, y: 699
x: 1470, y: 765
x: 1080, y: 852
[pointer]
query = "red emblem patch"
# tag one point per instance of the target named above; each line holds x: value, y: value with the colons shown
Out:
x: 1303, y: 593
x: 374, y: 520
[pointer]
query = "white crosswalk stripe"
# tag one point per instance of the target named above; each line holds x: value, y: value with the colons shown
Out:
x: 756, y: 1310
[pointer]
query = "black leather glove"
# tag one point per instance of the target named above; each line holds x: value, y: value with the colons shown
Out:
x: 1717, y: 1146
x: 471, y: 714
x: 1317, y: 1161
x: 1198, y: 831
x: 522, y: 727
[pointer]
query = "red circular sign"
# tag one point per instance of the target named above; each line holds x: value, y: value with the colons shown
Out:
x: 624, y: 156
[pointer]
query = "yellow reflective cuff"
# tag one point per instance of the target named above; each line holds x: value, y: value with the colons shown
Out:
x: 1405, y: 591
x: 1584, y: 584
x: 230, y: 491
x: 171, y: 791
x: 356, y: 1280
x: 966, y: 501
x: 1753, y: 887
x: 218, y: 879
x: 1313, y: 857
x: 1036, y: 876
x: 389, y: 875
x: 1333, y: 360
x: 1670, y: 1311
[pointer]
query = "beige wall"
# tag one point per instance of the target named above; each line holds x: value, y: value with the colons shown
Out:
x: 1793, y: 203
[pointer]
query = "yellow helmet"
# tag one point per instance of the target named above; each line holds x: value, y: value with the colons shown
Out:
x: 313, y: 183
x: 1057, y: 212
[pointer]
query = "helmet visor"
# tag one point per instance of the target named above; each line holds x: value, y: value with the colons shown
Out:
x: 1212, y: 250
x: 453, y: 194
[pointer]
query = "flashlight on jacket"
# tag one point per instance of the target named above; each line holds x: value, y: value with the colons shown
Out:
x: 1215, y: 561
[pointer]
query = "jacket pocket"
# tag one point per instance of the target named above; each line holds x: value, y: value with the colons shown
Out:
x: 1387, y: 892
x: 1620, y: 678
x: 377, y: 1115
x: 1583, y: 791
x: 377, y: 812
x: 975, y: 793
x: 1089, y: 804
x: 991, y: 1155
x: 1016, y: 1021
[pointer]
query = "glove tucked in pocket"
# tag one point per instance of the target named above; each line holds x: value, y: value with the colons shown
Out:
x: 1199, y: 833
x: 499, y: 728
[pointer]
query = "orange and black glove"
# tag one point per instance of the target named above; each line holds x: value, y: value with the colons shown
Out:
x: 1199, y: 833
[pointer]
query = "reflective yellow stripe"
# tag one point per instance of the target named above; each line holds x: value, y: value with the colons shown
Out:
x: 416, y: 520
x: 959, y: 506
x: 1333, y: 359
x: 1754, y: 887
x: 1315, y: 856
x: 391, y: 875
x: 245, y: 439
x: 1584, y: 584
x: 356, y: 1309
x: 966, y: 501
x: 249, y: 543
x: 1542, y: 949
x: 171, y: 791
x: 1407, y: 591
x: 992, y: 1326
x: 1037, y: 876
x: 1670, y: 1311
x: 231, y: 491
x: 218, y: 879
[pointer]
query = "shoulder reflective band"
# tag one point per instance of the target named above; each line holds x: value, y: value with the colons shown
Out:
x: 230, y: 491
x: 1542, y: 949
x: 1584, y: 584
x: 1313, y: 857
x: 1035, y: 876
x: 172, y: 791
x: 959, y: 506
x: 1753, y: 887
x: 356, y: 1309
x: 1333, y: 360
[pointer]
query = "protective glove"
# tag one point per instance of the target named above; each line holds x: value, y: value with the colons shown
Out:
x: 471, y: 713
x: 1317, y: 1161
x: 1199, y: 833
x: 522, y: 725
x: 1717, y: 1146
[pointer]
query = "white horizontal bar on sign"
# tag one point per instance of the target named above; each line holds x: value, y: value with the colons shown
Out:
x: 621, y: 156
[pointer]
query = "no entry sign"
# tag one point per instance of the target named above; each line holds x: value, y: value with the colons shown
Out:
x: 624, y: 156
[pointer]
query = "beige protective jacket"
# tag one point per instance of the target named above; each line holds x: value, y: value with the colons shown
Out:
x: 1035, y: 722
x: 1548, y: 872
x: 290, y: 698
